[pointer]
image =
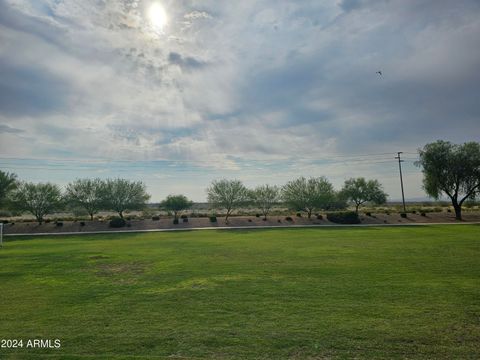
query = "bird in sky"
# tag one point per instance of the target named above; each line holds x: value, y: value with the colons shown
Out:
x: 379, y: 73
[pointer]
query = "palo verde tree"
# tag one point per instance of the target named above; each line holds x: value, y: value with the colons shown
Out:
x: 227, y: 194
x: 309, y: 194
x: 8, y: 183
x: 264, y: 197
x: 451, y: 169
x: 360, y: 191
x: 176, y: 203
x: 86, y: 193
x: 38, y: 199
x: 122, y: 194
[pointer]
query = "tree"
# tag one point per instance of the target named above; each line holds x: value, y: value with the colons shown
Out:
x: 265, y: 197
x: 176, y: 203
x: 86, y: 193
x: 228, y: 194
x: 39, y: 199
x: 360, y: 191
x: 308, y: 194
x: 122, y: 194
x: 8, y: 183
x: 451, y: 169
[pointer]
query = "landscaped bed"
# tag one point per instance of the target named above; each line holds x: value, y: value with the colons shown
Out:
x: 31, y: 227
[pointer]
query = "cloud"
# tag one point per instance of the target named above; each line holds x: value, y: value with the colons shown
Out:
x: 187, y: 63
x: 194, y: 15
x: 9, y: 129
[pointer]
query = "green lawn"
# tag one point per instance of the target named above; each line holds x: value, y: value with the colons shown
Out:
x: 397, y: 292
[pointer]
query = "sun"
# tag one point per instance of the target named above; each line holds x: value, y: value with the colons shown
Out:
x: 157, y: 16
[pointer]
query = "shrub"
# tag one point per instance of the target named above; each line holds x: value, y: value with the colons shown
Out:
x: 288, y: 218
x: 185, y: 220
x: 368, y: 213
x: 319, y: 217
x: 184, y: 216
x: 414, y: 211
x: 448, y: 210
x: 249, y: 220
x: 82, y: 223
x: 299, y: 214
x: 257, y: 215
x: 155, y: 218
x: 264, y: 219
x: 423, y: 214
x: 403, y: 215
x: 47, y: 221
x: 175, y: 221
x: 117, y: 222
x: 59, y: 224
x: 5, y: 213
x: 129, y: 225
x: 213, y: 219
x: 343, y: 217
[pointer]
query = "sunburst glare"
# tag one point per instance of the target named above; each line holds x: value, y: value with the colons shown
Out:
x: 157, y: 16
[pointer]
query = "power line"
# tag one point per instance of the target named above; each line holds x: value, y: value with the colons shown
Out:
x: 227, y: 158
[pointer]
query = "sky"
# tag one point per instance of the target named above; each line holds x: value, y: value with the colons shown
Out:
x: 262, y: 91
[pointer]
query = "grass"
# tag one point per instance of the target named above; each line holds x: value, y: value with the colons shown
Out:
x: 396, y: 293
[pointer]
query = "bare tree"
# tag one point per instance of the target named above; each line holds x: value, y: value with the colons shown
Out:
x: 360, y: 191
x: 265, y: 197
x: 453, y: 170
x: 38, y: 199
x: 227, y: 194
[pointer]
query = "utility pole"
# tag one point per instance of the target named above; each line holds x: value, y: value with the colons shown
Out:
x: 401, y: 179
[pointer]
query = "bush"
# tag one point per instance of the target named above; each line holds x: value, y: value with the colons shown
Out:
x: 257, y: 215
x: 5, y: 213
x: 155, y: 218
x: 343, y: 217
x: 288, y: 218
x: 368, y: 213
x: 264, y: 219
x: 403, y: 215
x: 319, y: 217
x: 423, y: 214
x: 213, y: 219
x: 47, y: 221
x: 175, y: 221
x: 59, y: 224
x: 299, y: 214
x: 249, y: 220
x: 129, y: 225
x: 414, y: 211
x: 185, y: 219
x: 448, y: 210
x: 279, y: 220
x: 82, y: 223
x: 117, y: 222
x: 184, y: 216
